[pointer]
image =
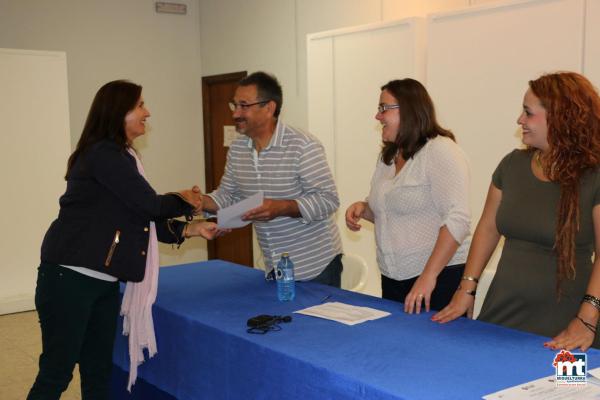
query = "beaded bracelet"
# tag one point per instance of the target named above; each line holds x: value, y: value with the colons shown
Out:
x: 470, y: 278
x: 588, y: 298
x: 184, y: 231
x: 591, y: 327
x: 470, y: 292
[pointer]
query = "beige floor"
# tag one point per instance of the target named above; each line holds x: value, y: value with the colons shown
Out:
x: 20, y: 347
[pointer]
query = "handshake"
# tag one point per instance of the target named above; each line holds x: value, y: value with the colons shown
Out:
x: 207, y: 230
x: 193, y: 197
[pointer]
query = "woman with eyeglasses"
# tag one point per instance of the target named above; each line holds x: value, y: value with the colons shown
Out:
x: 107, y: 230
x: 419, y: 201
x: 545, y: 201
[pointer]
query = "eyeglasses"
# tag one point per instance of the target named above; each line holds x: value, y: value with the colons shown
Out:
x: 384, y: 107
x: 244, y: 106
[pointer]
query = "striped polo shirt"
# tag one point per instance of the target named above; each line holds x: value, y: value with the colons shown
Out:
x: 292, y: 167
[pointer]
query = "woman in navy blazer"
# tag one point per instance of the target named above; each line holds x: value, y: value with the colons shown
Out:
x: 101, y: 236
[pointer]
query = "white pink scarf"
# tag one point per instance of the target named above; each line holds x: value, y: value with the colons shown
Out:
x: 137, y: 303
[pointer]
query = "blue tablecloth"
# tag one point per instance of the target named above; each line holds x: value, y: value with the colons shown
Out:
x: 204, y: 351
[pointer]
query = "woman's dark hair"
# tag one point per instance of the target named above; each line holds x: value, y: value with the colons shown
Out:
x: 267, y: 88
x: 572, y: 109
x: 417, y: 120
x: 106, y: 118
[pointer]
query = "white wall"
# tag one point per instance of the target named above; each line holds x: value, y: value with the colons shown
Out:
x: 270, y: 35
x: 344, y: 75
x: 591, y: 59
x: 490, y: 71
x: 113, y: 39
x: 479, y: 60
x: 34, y: 116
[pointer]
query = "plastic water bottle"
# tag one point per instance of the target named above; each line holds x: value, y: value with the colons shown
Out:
x: 286, y: 284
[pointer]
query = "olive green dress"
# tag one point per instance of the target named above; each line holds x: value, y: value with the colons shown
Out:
x: 522, y: 294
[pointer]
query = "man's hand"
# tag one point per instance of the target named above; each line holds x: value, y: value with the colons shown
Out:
x: 208, y: 204
x: 194, y: 197
x: 271, y: 209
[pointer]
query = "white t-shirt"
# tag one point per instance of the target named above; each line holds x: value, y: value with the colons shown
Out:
x: 430, y: 191
x: 92, y: 273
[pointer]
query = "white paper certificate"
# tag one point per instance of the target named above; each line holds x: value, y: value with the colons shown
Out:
x: 231, y: 217
x: 546, y: 389
x: 344, y: 313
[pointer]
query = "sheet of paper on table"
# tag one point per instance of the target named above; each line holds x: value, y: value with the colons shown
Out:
x: 546, y: 389
x: 231, y: 217
x: 344, y: 313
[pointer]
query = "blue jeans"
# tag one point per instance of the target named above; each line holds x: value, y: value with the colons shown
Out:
x: 332, y: 274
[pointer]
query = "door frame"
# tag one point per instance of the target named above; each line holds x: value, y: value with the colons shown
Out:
x: 206, y: 82
x: 210, y: 185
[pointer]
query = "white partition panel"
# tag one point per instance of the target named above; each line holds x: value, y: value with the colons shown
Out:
x: 321, y: 89
x: 478, y: 64
x: 346, y: 68
x: 591, y: 66
x: 35, y: 143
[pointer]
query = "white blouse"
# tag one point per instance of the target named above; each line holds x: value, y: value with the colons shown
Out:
x: 430, y: 191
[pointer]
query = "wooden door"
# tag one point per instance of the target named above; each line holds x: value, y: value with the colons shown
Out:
x: 217, y: 91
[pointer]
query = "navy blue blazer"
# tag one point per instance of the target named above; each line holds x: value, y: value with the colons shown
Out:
x: 104, y: 217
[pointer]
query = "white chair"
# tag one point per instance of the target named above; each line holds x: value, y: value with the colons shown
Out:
x: 354, y: 275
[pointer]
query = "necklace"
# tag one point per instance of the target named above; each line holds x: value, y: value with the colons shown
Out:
x: 537, y: 157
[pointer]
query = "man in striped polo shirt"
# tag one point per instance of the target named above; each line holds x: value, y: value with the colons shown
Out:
x: 290, y: 167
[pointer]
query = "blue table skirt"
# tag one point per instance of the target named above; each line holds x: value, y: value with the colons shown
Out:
x: 204, y: 351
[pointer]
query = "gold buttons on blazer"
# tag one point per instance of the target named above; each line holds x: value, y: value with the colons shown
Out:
x: 143, y: 253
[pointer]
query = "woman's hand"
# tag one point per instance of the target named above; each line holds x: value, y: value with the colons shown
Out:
x: 419, y: 293
x: 575, y: 335
x: 353, y: 214
x: 461, y: 303
x: 207, y: 230
x: 194, y: 197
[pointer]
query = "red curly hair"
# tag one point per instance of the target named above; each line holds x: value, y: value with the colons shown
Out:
x: 572, y: 109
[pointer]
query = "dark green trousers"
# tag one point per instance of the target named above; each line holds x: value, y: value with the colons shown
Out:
x: 78, y: 317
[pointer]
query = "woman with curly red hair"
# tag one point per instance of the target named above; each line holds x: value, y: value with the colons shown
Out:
x: 545, y: 201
